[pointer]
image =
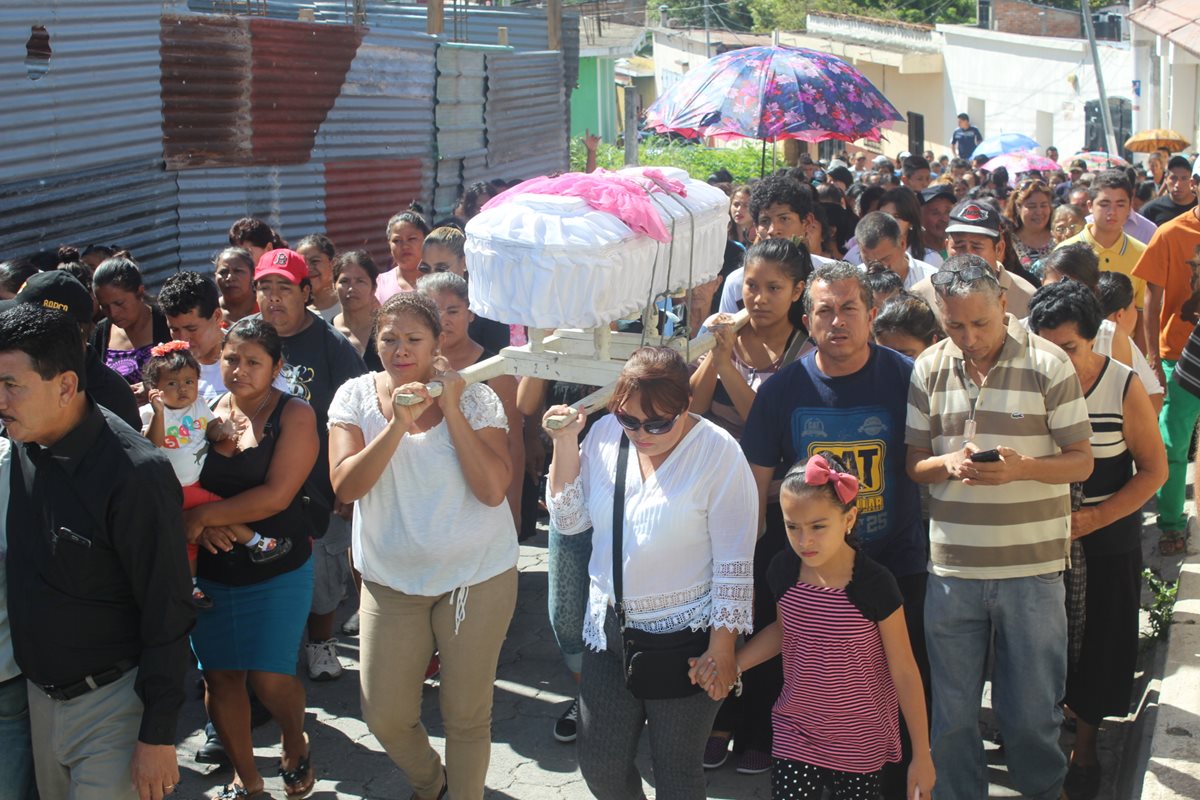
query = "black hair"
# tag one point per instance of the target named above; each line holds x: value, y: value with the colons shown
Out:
x: 1066, y: 301
x: 884, y: 281
x: 119, y: 271
x: 320, y: 242
x: 782, y: 190
x: 1077, y: 262
x: 794, y: 483
x: 964, y: 116
x: 171, y: 361
x: 361, y: 258
x: 833, y: 272
x: 15, y: 271
x: 793, y: 260
x: 868, y: 199
x: 1144, y: 191
x: 259, y: 331
x: 1179, y: 162
x: 830, y: 193
x: 910, y: 315
x: 909, y: 210
x: 412, y: 217
x: 49, y: 337
x: 104, y: 250
x: 414, y: 303
x: 473, y: 198
x: 959, y: 163
x: 1111, y: 179
x: 1115, y: 292
x: 80, y: 272
x: 913, y: 164
x: 875, y: 227
x: 188, y: 290
x: 257, y: 233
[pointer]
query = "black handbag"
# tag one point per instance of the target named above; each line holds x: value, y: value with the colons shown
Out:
x: 656, y: 664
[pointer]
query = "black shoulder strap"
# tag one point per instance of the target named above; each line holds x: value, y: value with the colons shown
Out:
x: 618, y: 524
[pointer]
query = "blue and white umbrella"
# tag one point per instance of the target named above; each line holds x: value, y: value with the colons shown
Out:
x: 1004, y: 143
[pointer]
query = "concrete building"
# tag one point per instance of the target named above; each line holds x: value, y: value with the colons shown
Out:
x: 594, y: 102
x: 1166, y: 53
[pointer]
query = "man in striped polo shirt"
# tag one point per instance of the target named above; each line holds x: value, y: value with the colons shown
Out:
x: 1000, y: 529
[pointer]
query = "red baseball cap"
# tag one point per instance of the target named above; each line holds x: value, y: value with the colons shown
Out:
x: 287, y: 263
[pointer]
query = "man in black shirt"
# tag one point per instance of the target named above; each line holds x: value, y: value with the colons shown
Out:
x: 98, y: 586
x: 61, y: 290
x: 1180, y: 196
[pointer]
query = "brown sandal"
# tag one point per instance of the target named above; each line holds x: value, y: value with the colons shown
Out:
x: 1172, y: 543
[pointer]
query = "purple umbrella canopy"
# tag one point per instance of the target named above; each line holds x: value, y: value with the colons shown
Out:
x: 773, y: 93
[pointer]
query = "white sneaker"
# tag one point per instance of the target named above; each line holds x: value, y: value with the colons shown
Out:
x: 323, y: 662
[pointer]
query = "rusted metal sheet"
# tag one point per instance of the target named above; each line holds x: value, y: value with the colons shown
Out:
x: 289, y: 198
x: 526, y: 114
x: 95, y: 100
x: 206, y: 90
x: 297, y: 72
x: 362, y: 195
x: 130, y: 204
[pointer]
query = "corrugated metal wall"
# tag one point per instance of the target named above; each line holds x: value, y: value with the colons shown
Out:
x: 81, y: 146
x: 525, y: 115
x: 154, y: 127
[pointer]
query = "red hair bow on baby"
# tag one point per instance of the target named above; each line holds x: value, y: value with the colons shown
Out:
x: 817, y: 472
x: 166, y: 348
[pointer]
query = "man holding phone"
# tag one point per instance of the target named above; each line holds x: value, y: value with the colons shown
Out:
x: 999, y: 528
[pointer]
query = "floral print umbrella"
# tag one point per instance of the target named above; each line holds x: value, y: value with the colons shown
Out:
x: 773, y: 93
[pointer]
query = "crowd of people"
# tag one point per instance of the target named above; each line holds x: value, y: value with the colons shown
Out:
x: 920, y: 464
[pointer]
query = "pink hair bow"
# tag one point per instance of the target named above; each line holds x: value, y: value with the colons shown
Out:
x: 817, y: 472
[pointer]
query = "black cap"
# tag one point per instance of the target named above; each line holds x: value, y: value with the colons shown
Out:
x: 55, y: 289
x: 975, y: 216
x: 934, y: 191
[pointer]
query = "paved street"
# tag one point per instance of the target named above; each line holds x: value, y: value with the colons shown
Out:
x: 532, y: 689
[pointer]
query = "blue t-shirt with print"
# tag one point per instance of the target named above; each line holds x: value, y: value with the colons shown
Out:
x: 801, y: 411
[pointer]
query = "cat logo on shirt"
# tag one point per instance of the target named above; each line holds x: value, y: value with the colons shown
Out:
x: 867, y: 457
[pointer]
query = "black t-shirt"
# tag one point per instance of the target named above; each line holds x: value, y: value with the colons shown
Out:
x: 1164, y: 209
x: 872, y: 589
x: 491, y: 335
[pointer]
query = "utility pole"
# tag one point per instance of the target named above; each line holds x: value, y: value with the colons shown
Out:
x: 1109, y: 135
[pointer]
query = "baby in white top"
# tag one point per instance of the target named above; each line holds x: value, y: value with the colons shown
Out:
x: 177, y: 420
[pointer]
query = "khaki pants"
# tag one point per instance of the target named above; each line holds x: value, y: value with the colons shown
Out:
x: 82, y: 747
x: 398, y: 636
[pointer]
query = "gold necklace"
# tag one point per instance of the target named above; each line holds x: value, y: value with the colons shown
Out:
x: 239, y: 430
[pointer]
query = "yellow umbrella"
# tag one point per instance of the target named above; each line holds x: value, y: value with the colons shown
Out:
x: 1151, y: 140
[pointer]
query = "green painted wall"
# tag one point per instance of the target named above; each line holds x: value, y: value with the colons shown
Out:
x: 594, y: 101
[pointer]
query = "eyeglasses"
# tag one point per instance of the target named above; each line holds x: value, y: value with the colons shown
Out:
x: 654, y: 427
x: 1036, y: 184
x: 1070, y: 227
x: 946, y: 277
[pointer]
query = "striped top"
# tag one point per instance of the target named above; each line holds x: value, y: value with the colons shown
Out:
x: 1113, y: 461
x: 1029, y: 401
x: 838, y: 708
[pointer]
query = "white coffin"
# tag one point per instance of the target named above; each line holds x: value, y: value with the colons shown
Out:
x: 555, y: 262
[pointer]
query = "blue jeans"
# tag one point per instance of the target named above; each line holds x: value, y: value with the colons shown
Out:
x: 1028, y: 618
x: 568, y: 593
x: 16, y: 750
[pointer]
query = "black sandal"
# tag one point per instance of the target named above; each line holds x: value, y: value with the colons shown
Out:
x: 233, y: 791
x: 269, y: 549
x: 299, y: 781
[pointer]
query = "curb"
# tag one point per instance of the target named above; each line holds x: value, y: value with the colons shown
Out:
x: 1173, y: 768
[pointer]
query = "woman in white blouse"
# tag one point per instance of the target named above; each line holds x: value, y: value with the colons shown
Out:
x: 435, y: 543
x: 687, y: 547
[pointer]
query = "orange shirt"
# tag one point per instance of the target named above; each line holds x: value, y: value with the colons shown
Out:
x: 1166, y: 263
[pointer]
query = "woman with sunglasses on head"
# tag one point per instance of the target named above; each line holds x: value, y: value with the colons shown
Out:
x: 1029, y: 210
x: 685, y: 509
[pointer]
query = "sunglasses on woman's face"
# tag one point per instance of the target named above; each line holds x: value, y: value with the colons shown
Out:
x: 654, y: 427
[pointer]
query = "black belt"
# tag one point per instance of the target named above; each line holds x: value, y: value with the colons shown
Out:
x: 93, y: 681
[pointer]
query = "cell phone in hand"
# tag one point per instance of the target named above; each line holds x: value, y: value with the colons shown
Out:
x: 986, y: 456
